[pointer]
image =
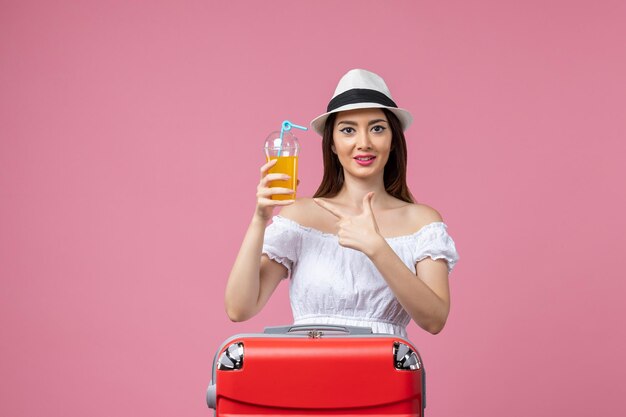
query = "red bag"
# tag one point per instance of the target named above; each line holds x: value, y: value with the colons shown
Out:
x: 317, y: 370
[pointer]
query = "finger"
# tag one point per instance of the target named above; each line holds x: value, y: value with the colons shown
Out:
x: 280, y: 190
x: 274, y: 177
x: 268, y: 192
x: 284, y: 202
x: 266, y: 167
x: 323, y: 204
x: 267, y: 202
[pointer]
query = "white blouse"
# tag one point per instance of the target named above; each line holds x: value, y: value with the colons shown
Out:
x: 331, y: 284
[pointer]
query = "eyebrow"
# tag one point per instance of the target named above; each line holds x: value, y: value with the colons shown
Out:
x: 371, y: 122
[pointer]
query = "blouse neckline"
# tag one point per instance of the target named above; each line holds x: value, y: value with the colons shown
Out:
x: 317, y: 232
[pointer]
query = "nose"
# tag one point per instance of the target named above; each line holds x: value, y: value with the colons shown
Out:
x: 363, y: 141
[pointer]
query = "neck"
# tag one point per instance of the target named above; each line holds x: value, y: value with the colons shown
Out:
x: 354, y: 189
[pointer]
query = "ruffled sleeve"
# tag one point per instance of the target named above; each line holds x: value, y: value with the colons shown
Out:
x: 282, y: 242
x: 434, y: 242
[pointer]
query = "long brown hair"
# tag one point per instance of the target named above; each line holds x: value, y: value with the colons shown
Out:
x: 394, y: 177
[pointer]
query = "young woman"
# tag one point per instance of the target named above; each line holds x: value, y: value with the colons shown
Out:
x: 361, y: 252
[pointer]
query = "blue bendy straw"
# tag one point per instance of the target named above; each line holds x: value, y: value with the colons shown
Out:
x: 286, y: 127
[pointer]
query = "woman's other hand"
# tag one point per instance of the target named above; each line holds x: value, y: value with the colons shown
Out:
x: 358, y: 232
x: 264, y: 203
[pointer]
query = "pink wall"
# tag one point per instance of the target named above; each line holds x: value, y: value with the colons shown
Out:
x: 130, y: 137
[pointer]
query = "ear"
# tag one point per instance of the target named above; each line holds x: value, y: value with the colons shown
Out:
x: 332, y: 148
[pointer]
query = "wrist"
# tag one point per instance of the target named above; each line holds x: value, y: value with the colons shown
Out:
x: 378, y: 247
x: 260, y: 219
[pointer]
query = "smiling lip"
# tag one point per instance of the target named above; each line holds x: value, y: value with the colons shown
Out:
x: 364, y: 160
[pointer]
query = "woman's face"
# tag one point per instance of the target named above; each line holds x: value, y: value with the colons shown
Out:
x: 362, y: 141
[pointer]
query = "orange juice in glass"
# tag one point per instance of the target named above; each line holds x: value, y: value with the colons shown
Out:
x: 285, y: 165
x: 284, y: 147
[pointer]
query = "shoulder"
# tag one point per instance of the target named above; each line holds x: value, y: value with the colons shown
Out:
x: 306, y: 213
x: 420, y: 215
x: 300, y: 211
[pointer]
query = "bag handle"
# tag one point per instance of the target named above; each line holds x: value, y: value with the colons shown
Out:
x: 352, y: 330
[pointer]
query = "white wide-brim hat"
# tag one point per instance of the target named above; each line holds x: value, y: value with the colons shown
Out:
x: 361, y: 89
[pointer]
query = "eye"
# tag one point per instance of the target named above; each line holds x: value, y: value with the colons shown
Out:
x: 347, y: 130
x: 378, y: 129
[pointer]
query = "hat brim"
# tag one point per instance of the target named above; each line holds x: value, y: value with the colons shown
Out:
x: 403, y: 115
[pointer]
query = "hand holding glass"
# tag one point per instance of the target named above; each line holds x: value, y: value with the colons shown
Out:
x: 283, y: 146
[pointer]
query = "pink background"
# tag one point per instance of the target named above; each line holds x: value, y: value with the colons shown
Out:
x: 130, y: 136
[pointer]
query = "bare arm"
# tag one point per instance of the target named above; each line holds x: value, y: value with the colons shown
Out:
x: 254, y: 277
x: 426, y: 299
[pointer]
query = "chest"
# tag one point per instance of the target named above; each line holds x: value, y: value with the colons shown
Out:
x: 391, y: 223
